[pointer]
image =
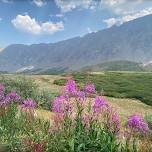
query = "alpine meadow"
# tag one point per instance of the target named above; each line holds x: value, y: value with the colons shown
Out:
x: 75, y: 76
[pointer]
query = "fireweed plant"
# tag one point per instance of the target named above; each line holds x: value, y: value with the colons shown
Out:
x: 79, y: 124
x: 84, y: 124
x: 14, y: 113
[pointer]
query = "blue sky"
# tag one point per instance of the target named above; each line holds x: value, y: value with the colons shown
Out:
x: 48, y: 21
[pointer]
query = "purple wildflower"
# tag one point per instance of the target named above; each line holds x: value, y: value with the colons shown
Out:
x: 81, y: 95
x: 61, y: 105
x: 9, y: 98
x: 90, y: 88
x: 137, y: 125
x: 29, y: 103
x: 71, y: 87
x: 116, y: 122
x: 100, y: 103
x: 13, y: 96
x: 6, y: 101
x: 57, y: 104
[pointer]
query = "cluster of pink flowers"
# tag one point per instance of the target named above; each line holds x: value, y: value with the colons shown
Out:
x: 137, y: 125
x: 29, y: 103
x: 13, y: 97
x: 9, y: 98
x: 61, y: 105
x: 99, y: 107
x: 71, y: 87
x: 99, y: 104
x: 90, y: 88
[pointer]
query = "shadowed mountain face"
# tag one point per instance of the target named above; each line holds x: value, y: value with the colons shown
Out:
x: 131, y: 41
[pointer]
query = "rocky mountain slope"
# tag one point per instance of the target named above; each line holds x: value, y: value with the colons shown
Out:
x: 130, y: 41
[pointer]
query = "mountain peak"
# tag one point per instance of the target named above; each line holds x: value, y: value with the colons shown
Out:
x: 130, y: 41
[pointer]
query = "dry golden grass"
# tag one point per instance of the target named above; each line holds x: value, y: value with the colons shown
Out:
x: 46, y: 82
x: 130, y: 106
x: 125, y: 106
x: 44, y: 114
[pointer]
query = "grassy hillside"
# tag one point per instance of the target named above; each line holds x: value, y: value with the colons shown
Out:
x: 40, y: 71
x: 45, y: 83
x: 117, y: 84
x: 115, y: 66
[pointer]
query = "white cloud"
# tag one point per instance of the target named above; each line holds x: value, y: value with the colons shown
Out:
x: 28, y: 24
x: 111, y: 21
x: 118, y: 7
x: 39, y: 3
x: 69, y: 5
x: 124, y: 6
x: 59, y: 15
x: 120, y: 20
x: 113, y: 2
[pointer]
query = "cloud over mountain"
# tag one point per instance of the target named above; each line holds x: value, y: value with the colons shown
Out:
x: 120, y: 20
x: 28, y: 24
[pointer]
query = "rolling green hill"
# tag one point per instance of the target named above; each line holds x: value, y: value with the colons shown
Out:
x: 115, y: 66
x: 118, y: 84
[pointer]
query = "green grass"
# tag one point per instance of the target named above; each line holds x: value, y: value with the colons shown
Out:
x: 118, y: 84
x: 119, y: 65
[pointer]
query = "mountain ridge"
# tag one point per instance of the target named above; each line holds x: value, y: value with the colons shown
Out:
x: 130, y: 41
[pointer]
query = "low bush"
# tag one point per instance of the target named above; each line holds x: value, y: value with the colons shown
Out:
x: 60, y: 82
x: 27, y: 88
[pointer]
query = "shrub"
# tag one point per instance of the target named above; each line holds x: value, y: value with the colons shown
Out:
x: 27, y: 88
x: 60, y: 82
